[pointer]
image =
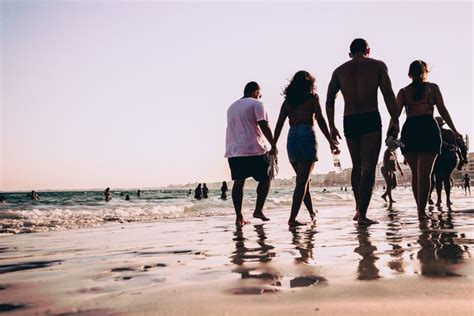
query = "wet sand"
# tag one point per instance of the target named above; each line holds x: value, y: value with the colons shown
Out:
x: 203, y: 266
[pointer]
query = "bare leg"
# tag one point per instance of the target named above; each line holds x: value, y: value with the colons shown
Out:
x: 439, y: 176
x: 448, y: 184
x: 433, y: 184
x: 354, y: 149
x: 262, y: 192
x: 303, y: 170
x: 412, y: 159
x: 387, y: 183
x: 370, y: 150
x: 425, y: 167
x: 308, y: 203
x: 237, y: 199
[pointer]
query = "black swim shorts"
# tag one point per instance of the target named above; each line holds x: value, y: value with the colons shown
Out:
x: 253, y: 166
x: 364, y: 123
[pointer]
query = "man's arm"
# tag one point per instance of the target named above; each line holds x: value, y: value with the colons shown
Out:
x: 267, y: 132
x: 333, y: 89
x: 388, y: 95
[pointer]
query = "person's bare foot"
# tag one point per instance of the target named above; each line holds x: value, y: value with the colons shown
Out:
x: 422, y: 216
x: 438, y: 203
x: 240, y: 221
x: 384, y: 197
x: 449, y: 203
x: 356, y: 216
x: 313, y: 219
x: 366, y: 222
x: 295, y: 223
x: 260, y: 216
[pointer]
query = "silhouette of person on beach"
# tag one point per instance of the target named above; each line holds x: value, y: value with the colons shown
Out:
x: 359, y: 80
x: 301, y: 106
x: 107, y: 194
x: 205, y: 191
x: 34, y: 196
x: 389, y: 172
x: 139, y: 193
x: 198, y: 192
x: 224, y: 190
x: 190, y: 191
x: 247, y: 129
x: 466, y: 184
x: 445, y: 163
x: 2, y: 200
x: 421, y: 134
x: 127, y: 197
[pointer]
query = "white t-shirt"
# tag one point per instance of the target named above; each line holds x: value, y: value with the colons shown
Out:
x: 243, y: 135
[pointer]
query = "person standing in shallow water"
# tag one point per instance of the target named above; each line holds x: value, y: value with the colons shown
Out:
x: 247, y: 129
x: 445, y: 163
x: 224, y: 190
x: 198, y: 192
x: 205, y: 191
x: 420, y: 133
x: 467, y: 184
x: 359, y: 80
x: 389, y: 172
x: 301, y: 106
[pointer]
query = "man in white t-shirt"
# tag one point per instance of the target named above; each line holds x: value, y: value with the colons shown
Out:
x: 247, y: 129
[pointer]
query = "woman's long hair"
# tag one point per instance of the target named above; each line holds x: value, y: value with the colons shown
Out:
x: 418, y: 70
x: 300, y: 88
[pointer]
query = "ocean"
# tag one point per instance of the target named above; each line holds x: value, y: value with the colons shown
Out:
x: 58, y: 210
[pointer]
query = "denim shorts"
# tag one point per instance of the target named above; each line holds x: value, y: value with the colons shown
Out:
x: 301, y: 144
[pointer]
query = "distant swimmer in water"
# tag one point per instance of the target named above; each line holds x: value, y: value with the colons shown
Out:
x: 190, y: 191
x: 224, y: 190
x: 139, y: 193
x: 445, y: 163
x: 198, y: 192
x: 34, y: 196
x: 420, y: 133
x: 122, y: 194
x: 205, y: 191
x: 389, y: 172
x: 107, y: 194
x: 2, y: 200
x: 127, y: 197
x: 467, y: 184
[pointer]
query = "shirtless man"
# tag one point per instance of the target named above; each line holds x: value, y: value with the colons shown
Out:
x: 359, y: 80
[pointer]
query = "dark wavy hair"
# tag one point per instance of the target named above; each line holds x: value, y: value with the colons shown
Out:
x: 418, y: 70
x: 300, y: 88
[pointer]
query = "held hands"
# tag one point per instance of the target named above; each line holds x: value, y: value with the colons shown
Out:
x: 334, y: 149
x: 334, y: 133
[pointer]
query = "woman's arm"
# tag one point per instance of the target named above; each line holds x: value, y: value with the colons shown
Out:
x: 322, y: 124
x: 400, y: 104
x: 442, y: 109
x: 279, y: 125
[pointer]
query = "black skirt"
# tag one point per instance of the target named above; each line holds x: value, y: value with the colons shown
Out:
x: 421, y: 134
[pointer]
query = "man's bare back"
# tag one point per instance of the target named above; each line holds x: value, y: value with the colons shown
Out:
x: 359, y: 80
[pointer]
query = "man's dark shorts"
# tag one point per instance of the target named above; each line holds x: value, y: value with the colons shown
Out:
x: 252, y: 166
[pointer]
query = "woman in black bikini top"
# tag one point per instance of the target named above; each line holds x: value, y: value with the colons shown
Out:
x: 420, y: 133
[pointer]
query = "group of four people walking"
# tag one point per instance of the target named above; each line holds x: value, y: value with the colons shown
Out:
x: 358, y: 80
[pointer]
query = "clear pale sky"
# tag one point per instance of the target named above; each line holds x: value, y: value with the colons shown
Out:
x: 134, y: 94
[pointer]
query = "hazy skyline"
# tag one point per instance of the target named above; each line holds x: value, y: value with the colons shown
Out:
x: 134, y: 94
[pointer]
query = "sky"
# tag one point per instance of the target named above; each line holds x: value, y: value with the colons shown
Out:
x: 129, y: 94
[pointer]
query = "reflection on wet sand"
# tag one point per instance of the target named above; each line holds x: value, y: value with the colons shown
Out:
x: 439, y: 253
x: 366, y: 269
x: 394, y: 239
x: 263, y: 254
x: 304, y: 244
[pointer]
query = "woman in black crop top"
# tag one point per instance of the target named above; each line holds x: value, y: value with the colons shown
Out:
x: 420, y: 133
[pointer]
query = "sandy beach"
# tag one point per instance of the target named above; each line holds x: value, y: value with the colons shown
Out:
x: 207, y: 266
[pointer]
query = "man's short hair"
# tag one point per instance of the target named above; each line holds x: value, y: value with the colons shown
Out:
x: 251, y: 87
x: 359, y: 45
